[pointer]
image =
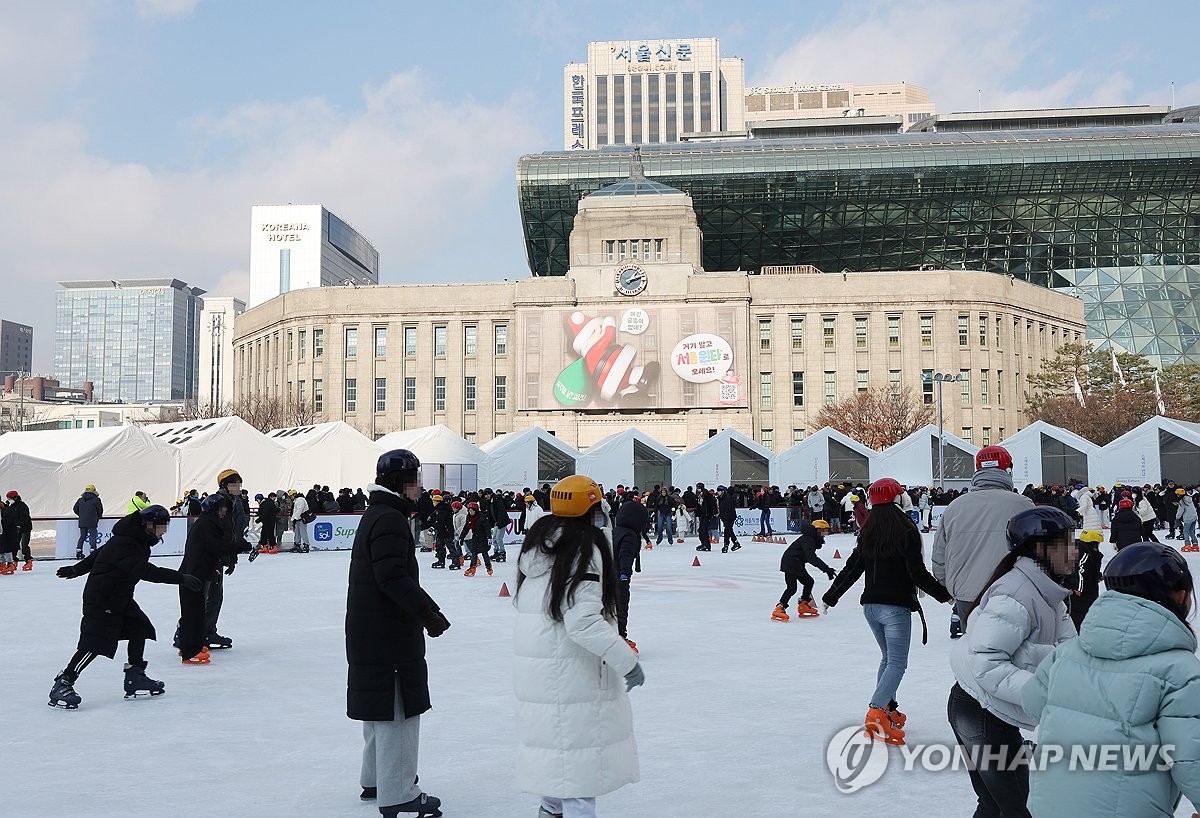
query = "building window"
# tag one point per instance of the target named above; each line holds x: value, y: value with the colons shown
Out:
x: 380, y: 342
x: 894, y: 382
x: 964, y: 386
x: 410, y: 342
x: 469, y: 437
x: 290, y: 350
x: 966, y: 433
x: 983, y: 388
x: 999, y: 335
x: 1000, y: 390
x: 439, y: 394
x: 860, y: 332
x: 351, y: 394
x: 764, y: 389
x: 797, y: 436
x: 893, y: 332
x: 927, y: 386
x: 351, y: 342
x: 501, y: 392
x: 610, y: 250
x: 964, y: 331
x: 830, y: 388
x: 797, y: 389
x: 318, y: 343
x: 469, y: 393
x: 983, y: 331
x: 301, y: 344
x: 410, y: 394
x: 987, y: 435
x: 797, y: 333
x: 300, y: 393
x: 318, y: 393
x: 861, y: 379
x: 768, y: 439
x: 439, y: 342
x: 926, y: 332
x: 469, y: 340
x: 501, y: 339
x: 1001, y: 434
x: 381, y: 394
x: 764, y: 333
x: 828, y: 330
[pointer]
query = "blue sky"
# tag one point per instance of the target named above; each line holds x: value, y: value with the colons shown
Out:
x: 136, y: 134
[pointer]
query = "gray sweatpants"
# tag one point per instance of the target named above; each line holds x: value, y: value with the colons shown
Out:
x: 389, y: 760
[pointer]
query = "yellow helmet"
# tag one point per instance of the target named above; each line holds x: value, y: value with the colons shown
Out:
x: 573, y: 496
x: 529, y: 498
x: 1091, y: 536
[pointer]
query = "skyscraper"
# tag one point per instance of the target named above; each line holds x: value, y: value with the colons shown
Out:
x: 135, y: 339
x: 16, y: 348
x: 216, y: 349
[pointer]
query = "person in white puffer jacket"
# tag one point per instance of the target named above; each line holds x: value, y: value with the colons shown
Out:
x: 572, y: 671
x: 1088, y: 513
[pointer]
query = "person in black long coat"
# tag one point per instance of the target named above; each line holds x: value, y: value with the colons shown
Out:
x: 1126, y: 526
x: 387, y: 614
x: 208, y: 544
x: 110, y: 613
x: 631, y: 521
x: 266, y: 515
x: 23, y: 523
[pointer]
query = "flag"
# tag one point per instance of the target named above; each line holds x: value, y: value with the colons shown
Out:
x: 1078, y: 391
x: 1162, y: 409
x: 1116, y: 366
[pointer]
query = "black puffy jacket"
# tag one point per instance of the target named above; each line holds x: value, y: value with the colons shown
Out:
x: 631, y: 521
x: 803, y: 550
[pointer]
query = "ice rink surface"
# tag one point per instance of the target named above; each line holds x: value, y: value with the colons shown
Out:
x: 733, y: 720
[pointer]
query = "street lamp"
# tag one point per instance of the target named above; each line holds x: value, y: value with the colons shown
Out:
x: 940, y: 378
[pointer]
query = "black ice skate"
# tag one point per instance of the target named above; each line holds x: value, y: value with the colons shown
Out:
x: 138, y: 684
x: 218, y: 642
x: 438, y: 564
x: 501, y: 557
x: 63, y: 693
x: 423, y: 806
x: 368, y: 794
x: 736, y: 546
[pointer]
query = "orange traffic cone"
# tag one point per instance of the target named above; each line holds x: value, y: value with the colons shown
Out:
x: 837, y: 555
x: 695, y: 562
x: 504, y: 589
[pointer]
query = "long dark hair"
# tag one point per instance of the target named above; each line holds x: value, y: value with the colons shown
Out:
x: 571, y: 541
x: 886, y: 532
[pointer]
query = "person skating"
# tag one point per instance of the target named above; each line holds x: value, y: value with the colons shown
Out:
x: 1130, y: 680
x: 889, y: 555
x: 110, y: 613
x: 498, y: 513
x: 387, y: 616
x: 1126, y: 527
x: 1085, y: 580
x: 572, y: 669
x: 1186, y: 516
x: 9, y: 539
x: 706, y: 510
x: 460, y: 524
x: 632, y: 518
x: 1018, y: 619
x: 802, y: 551
x: 477, y: 530
x: 229, y: 483
x: 302, y: 515
x: 727, y: 510
x: 266, y: 515
x: 89, y: 509
x: 23, y: 523
x: 442, y: 520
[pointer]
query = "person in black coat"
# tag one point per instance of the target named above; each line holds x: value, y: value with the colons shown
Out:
x: 268, y: 512
x: 18, y: 513
x: 1085, y: 582
x: 706, y: 510
x: 110, y: 613
x: 727, y: 511
x: 802, y: 552
x: 478, y: 531
x: 442, y: 521
x: 387, y: 615
x: 632, y: 519
x: 1126, y: 527
x: 207, y: 546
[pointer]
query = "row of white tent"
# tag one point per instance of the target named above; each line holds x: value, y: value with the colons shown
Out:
x: 51, y: 468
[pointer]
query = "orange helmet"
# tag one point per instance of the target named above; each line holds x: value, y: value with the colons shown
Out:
x: 573, y: 496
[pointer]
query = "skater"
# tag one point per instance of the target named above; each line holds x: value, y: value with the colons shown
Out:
x: 387, y: 615
x: 110, y: 613
x: 302, y: 515
x: 18, y: 514
x: 1020, y: 616
x: 889, y: 554
x: 1131, y: 679
x: 1185, y: 515
x: 1126, y: 528
x: 89, y: 509
x: 971, y: 540
x: 477, y: 531
x: 706, y: 510
x: 229, y: 483
x: 533, y: 511
x: 443, y: 532
x: 460, y: 523
x: 728, y: 514
x: 266, y: 516
x: 1085, y: 581
x: 572, y: 669
x: 1146, y: 513
x: 632, y: 518
x: 802, y: 551
x: 498, y: 514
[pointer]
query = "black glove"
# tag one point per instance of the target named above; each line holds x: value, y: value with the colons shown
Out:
x: 832, y: 574
x: 436, y: 623
x: 229, y: 570
x: 190, y: 582
x: 67, y: 572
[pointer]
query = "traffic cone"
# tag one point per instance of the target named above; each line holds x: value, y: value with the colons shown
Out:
x: 695, y: 562
x: 837, y: 555
x: 504, y: 589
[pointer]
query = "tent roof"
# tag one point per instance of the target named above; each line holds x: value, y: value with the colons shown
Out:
x: 618, y: 440
x: 1039, y: 427
x: 64, y: 445
x: 723, y: 437
x: 498, y: 445
x: 434, y: 444
x: 200, y: 432
x: 821, y: 438
x: 302, y: 436
x: 1182, y: 428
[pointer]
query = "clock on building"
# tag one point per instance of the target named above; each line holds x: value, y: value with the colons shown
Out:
x: 631, y: 279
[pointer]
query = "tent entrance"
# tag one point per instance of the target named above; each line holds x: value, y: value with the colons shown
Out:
x: 650, y: 467
x: 1061, y: 463
x: 553, y: 464
x: 1179, y: 460
x: 960, y: 465
x: 453, y: 477
x: 847, y: 465
x: 747, y: 467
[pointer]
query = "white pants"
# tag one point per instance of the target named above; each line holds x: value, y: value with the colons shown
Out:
x: 389, y: 761
x: 570, y: 807
x: 301, y: 533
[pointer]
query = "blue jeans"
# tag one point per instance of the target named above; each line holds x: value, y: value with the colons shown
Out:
x: 764, y: 522
x: 1189, y: 532
x: 498, y: 538
x: 892, y: 626
x: 662, y: 525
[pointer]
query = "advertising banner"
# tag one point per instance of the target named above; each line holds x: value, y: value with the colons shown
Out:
x: 66, y: 535
x: 629, y: 356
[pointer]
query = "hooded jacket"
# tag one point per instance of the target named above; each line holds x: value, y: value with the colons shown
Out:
x: 803, y: 550
x: 88, y: 509
x: 627, y: 535
x: 1186, y: 512
x: 971, y: 540
x: 1126, y: 528
x: 1131, y: 679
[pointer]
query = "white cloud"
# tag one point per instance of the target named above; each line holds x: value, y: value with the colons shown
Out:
x: 43, y: 49
x: 149, y: 9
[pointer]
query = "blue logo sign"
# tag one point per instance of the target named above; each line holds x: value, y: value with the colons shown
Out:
x: 323, y: 532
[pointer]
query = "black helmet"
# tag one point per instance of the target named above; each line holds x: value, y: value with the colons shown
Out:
x: 397, y: 460
x: 1148, y: 569
x: 1037, y: 523
x: 213, y: 502
x: 155, y: 514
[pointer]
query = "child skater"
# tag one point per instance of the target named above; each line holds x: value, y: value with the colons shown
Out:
x: 802, y: 551
x: 1085, y: 582
x: 478, y: 530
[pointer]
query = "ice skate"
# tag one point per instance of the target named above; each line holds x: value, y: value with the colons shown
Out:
x: 274, y: 549
x: 880, y: 727
x: 780, y: 614
x: 78, y: 553
x: 28, y: 566
x: 545, y: 813
x: 264, y: 549
x: 737, y: 546
x: 470, y: 572
x: 218, y: 642
x: 489, y: 572
x: 368, y: 794
x: 438, y: 564
x: 898, y: 718
x: 63, y: 693
x: 806, y: 610
x: 454, y: 565
x: 955, y: 627
x: 649, y: 547
x: 138, y: 684
x: 725, y: 549
x: 201, y: 658
x: 423, y: 806
x: 501, y: 557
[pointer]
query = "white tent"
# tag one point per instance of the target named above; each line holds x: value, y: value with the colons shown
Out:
x: 448, y: 461
x: 913, y: 461
x: 1160, y: 449
x: 630, y: 457
x: 825, y: 455
x: 528, y: 458
x: 727, y: 458
x: 36, y: 480
x: 329, y: 454
x: 119, y: 460
x: 1045, y: 455
x: 208, y: 447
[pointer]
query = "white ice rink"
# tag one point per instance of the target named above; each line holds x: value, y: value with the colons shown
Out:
x: 732, y: 722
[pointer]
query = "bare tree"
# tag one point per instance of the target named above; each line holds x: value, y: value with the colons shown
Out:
x: 263, y: 412
x: 878, y: 417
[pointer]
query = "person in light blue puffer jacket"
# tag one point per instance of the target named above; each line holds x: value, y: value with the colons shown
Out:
x: 1130, y: 680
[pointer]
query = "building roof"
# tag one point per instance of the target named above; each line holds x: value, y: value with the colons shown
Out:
x: 637, y: 184
x: 130, y: 283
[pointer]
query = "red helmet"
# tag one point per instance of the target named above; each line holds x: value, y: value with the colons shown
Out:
x: 1125, y: 504
x: 885, y: 490
x: 993, y: 457
x: 473, y: 506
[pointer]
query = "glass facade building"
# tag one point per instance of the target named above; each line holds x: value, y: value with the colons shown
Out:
x: 135, y: 340
x: 1110, y: 214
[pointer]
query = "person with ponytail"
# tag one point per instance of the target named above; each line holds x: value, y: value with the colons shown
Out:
x: 1017, y: 620
x: 572, y: 669
x: 1130, y: 680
